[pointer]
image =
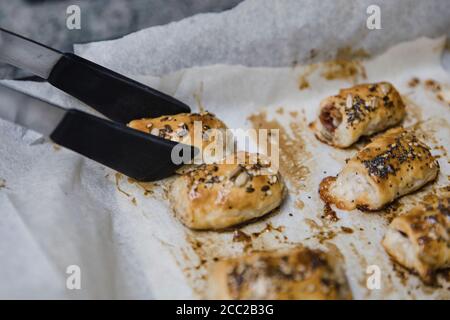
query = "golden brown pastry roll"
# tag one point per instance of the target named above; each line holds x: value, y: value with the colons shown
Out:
x: 216, y: 196
x: 420, y: 239
x: 393, y: 164
x: 183, y: 127
x: 295, y: 274
x: 358, y: 111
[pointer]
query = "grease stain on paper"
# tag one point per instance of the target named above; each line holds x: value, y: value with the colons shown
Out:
x: 293, y: 153
x: 303, y: 82
x: 440, y: 90
x: 346, y: 66
x: 198, y: 96
x: 207, y: 247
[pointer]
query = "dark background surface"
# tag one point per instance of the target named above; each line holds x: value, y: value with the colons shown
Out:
x: 45, y: 20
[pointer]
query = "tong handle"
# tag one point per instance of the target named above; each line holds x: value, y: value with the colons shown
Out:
x: 117, y: 97
x: 27, y: 54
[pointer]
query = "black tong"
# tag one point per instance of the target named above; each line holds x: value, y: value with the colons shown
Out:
x: 136, y: 154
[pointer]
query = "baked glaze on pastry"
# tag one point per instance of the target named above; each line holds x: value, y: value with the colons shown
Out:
x: 393, y: 164
x: 180, y: 128
x: 358, y: 111
x: 294, y: 274
x: 420, y: 239
x: 217, y: 196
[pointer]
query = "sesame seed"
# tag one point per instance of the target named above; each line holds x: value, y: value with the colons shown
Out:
x: 349, y: 101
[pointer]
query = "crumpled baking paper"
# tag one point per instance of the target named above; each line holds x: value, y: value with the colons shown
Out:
x: 59, y: 209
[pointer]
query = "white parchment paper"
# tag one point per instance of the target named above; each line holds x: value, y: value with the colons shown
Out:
x: 60, y: 209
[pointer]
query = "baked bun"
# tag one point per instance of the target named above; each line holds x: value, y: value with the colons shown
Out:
x: 294, y: 274
x: 182, y: 128
x: 358, y: 111
x: 392, y: 165
x: 217, y: 196
x: 420, y: 239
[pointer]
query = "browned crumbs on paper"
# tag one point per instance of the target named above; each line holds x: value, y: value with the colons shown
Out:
x: 303, y: 82
x: 118, y: 177
x: 347, y: 230
x: 268, y: 228
x: 195, y: 266
x: 401, y: 272
x: 437, y: 88
x: 299, y: 204
x: 322, y: 234
x: 329, y: 214
x: 392, y: 210
x: 413, y: 82
x: 347, y: 65
x: 347, y: 53
x: 247, y: 239
x: 293, y: 152
x: 147, y: 187
x: 242, y: 237
x: 205, y: 247
x: 432, y: 85
x: 443, y: 151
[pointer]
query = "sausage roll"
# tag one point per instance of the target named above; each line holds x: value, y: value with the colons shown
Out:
x: 216, y: 196
x: 295, y: 274
x: 420, y: 239
x: 358, y: 111
x: 393, y: 164
x: 195, y: 129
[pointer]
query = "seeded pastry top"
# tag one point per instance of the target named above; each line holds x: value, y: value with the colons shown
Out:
x: 397, y: 148
x: 253, y: 176
x: 360, y: 101
x: 180, y: 126
x: 361, y: 110
x: 241, y: 187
